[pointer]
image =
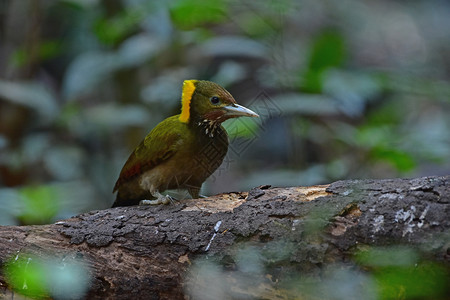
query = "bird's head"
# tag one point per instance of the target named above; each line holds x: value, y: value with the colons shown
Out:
x: 206, y: 101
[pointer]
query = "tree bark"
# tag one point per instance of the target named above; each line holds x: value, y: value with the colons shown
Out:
x: 160, y: 252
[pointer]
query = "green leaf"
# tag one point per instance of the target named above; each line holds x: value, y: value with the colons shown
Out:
x: 392, y: 256
x: 32, y: 95
x: 87, y: 71
x: 328, y: 51
x: 40, y: 204
x: 42, y: 278
x: 242, y: 128
x: 113, y: 30
x: 400, y: 274
x: 401, y: 160
x: 26, y: 276
x: 188, y: 14
x: 424, y: 281
x: 90, y: 69
x: 46, y: 50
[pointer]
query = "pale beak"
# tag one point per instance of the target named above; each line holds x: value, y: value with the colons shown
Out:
x: 236, y: 110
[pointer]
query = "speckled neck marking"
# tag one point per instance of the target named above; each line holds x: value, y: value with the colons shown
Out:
x: 209, y: 127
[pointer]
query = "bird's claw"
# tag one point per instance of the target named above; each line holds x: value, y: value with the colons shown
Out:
x: 160, y: 200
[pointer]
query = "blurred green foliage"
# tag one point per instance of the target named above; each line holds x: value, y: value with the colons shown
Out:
x: 190, y: 14
x: 352, y: 89
x: 47, y: 277
x: 39, y: 204
x: 399, y: 273
x: 27, y: 276
x: 327, y: 52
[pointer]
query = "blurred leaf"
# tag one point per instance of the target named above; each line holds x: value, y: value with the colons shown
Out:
x: 312, y: 81
x: 67, y: 279
x: 81, y: 3
x: 87, y: 71
x: 138, y: 49
x: 277, y: 251
x: 400, y: 274
x: 188, y: 14
x: 41, y: 204
x: 234, y: 46
x: 164, y: 91
x: 229, y: 72
x: 47, y: 49
x: 41, y: 278
x: 208, y: 275
x: 328, y: 51
x: 10, y: 202
x: 103, y: 119
x: 64, y: 162
x: 337, y: 169
x: 341, y: 284
x: 90, y: 69
x: 382, y: 143
x: 255, y: 25
x: 429, y: 136
x: 405, y: 83
x: 19, y: 57
x: 113, y: 117
x: 401, y: 160
x: 33, y: 147
x: 387, y: 114
x: 113, y: 30
x: 30, y: 94
x: 387, y: 256
x: 71, y: 197
x: 352, y: 90
x: 159, y: 23
x: 241, y: 128
x: 424, y: 281
x: 27, y: 276
x: 78, y: 196
x: 296, y: 104
x: 373, y: 136
x: 3, y: 142
x: 248, y: 260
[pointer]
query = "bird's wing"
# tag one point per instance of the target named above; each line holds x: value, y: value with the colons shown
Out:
x: 158, y: 146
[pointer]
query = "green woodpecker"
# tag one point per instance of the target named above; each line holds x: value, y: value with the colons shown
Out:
x: 182, y: 151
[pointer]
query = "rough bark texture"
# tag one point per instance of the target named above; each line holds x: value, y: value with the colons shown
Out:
x: 148, y: 252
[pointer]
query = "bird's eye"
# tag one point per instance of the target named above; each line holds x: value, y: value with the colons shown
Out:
x: 214, y: 100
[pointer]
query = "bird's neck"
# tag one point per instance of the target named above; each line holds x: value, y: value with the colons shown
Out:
x: 209, y: 128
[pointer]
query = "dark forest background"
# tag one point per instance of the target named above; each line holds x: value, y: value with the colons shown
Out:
x: 345, y: 89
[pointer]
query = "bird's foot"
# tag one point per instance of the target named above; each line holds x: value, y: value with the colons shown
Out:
x: 202, y: 196
x: 160, y: 200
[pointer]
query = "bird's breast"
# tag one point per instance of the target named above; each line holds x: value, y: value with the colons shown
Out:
x: 191, y: 165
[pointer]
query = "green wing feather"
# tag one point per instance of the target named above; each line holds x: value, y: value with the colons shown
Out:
x: 158, y: 146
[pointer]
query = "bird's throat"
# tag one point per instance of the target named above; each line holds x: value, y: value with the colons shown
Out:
x: 209, y: 127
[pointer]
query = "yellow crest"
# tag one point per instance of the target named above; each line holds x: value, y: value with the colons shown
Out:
x: 186, y: 96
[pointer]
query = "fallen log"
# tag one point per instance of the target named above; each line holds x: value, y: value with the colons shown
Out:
x: 238, y: 245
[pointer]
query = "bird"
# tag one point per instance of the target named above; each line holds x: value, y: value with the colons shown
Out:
x: 182, y: 151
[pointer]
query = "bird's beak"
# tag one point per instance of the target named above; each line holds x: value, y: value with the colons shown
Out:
x: 236, y: 110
